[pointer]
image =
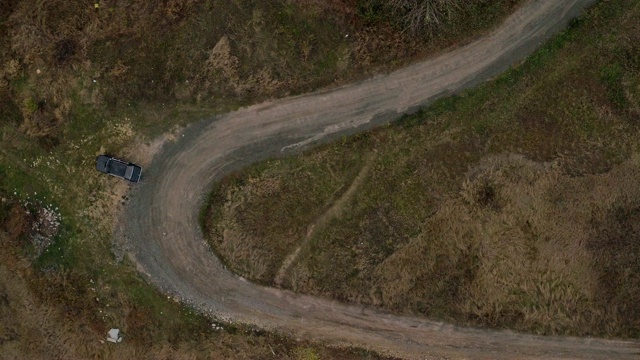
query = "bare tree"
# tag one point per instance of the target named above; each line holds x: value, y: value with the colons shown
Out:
x: 419, y: 16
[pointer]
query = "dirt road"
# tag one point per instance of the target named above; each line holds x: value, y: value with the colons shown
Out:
x: 164, y: 238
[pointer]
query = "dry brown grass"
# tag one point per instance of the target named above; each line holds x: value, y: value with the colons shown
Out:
x: 47, y: 41
x: 61, y: 56
x: 337, y: 209
x: 541, y: 238
x: 525, y: 251
x: 77, y: 80
x: 522, y: 245
x: 222, y: 67
x: 260, y: 254
x: 61, y: 314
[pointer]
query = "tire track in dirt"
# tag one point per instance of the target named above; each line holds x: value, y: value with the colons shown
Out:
x: 160, y: 226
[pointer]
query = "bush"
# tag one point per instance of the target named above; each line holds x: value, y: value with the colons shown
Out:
x: 418, y: 16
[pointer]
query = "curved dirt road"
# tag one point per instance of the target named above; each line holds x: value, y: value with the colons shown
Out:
x: 165, y: 241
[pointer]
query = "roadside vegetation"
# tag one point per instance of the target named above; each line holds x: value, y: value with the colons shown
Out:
x: 50, y: 313
x: 80, y: 78
x: 513, y: 205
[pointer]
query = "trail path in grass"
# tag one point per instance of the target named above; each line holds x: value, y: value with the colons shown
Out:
x: 335, y: 210
x: 161, y: 227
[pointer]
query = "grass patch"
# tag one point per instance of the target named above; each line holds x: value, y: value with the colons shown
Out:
x: 490, y: 208
x: 77, y: 80
x: 303, y: 205
x: 65, y: 312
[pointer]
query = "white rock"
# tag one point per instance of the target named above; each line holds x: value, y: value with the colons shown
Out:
x: 114, y: 336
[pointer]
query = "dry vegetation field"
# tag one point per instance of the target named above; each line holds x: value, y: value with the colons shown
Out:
x: 513, y: 205
x: 79, y: 78
x: 59, y: 314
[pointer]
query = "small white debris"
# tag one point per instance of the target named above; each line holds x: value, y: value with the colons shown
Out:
x: 114, y: 336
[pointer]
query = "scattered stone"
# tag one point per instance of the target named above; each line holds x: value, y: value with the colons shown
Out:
x: 114, y: 336
x: 44, y: 228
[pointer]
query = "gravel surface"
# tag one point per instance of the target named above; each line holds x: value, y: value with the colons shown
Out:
x: 161, y: 230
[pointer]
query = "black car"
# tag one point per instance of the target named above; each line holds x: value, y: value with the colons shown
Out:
x: 119, y: 168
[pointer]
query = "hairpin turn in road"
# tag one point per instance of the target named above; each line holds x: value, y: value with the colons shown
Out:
x: 166, y: 243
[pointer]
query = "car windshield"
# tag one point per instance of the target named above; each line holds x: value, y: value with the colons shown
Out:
x: 129, y: 172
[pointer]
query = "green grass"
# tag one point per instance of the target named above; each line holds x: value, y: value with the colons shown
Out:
x: 449, y: 225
